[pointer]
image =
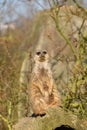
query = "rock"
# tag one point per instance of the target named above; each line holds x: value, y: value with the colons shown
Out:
x: 54, y: 119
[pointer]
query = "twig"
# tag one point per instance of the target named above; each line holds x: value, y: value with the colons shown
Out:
x: 55, y: 18
x: 80, y: 7
x: 6, y: 121
x: 8, y: 53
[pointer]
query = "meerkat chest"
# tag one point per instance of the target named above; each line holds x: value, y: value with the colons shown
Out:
x: 45, y: 79
x: 43, y: 76
x: 43, y: 72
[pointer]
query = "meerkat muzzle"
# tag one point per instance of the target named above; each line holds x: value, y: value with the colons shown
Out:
x: 42, y: 58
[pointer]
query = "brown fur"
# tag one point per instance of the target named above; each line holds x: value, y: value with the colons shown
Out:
x: 43, y: 93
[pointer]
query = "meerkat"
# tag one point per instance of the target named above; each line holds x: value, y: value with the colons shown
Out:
x: 43, y: 93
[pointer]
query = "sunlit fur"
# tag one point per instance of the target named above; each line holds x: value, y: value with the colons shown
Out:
x: 43, y: 93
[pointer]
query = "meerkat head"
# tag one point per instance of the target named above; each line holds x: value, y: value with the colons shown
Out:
x: 41, y: 56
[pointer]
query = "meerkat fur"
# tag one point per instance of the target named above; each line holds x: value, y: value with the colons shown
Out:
x: 43, y: 93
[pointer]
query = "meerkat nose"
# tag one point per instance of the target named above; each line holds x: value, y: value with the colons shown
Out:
x: 42, y: 55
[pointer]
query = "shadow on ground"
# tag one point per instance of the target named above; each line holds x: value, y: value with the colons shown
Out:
x: 64, y: 127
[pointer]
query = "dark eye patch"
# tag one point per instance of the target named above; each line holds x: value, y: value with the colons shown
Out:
x: 44, y: 52
x: 38, y: 53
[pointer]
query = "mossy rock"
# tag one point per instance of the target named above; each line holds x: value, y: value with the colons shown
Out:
x: 55, y: 119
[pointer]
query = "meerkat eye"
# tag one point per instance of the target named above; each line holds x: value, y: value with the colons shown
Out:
x: 38, y: 53
x: 44, y: 52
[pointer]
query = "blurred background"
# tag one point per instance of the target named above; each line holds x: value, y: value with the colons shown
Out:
x: 18, y: 32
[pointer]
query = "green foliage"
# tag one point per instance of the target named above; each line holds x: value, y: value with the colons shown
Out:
x: 9, y: 80
x: 75, y: 98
